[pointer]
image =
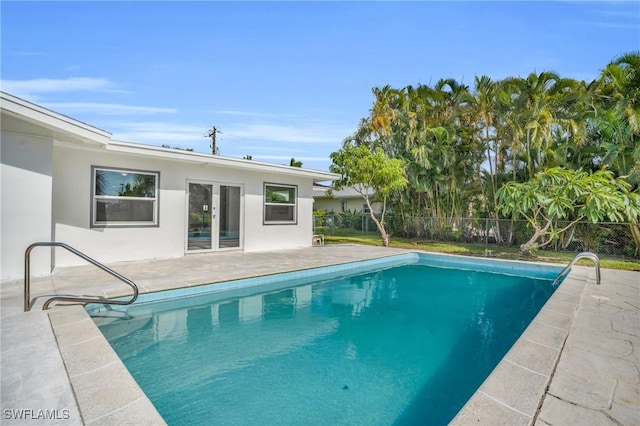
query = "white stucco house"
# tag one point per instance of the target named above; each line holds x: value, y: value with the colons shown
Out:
x: 64, y: 180
x: 342, y: 200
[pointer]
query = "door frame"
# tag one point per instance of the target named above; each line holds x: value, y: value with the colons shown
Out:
x: 214, y: 210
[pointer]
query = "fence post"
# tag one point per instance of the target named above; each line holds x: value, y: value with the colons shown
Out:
x: 486, y: 230
x: 333, y: 223
x: 432, y: 230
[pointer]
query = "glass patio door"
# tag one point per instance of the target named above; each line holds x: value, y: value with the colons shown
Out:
x: 200, y: 216
x: 229, y: 217
x: 214, y: 216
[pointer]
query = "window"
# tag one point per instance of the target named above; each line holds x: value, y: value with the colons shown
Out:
x: 280, y: 204
x: 365, y: 208
x: 124, y: 197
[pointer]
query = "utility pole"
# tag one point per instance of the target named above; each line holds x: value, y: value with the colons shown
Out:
x: 212, y: 134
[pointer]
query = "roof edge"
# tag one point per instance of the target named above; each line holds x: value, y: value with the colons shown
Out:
x: 58, y: 122
x: 42, y: 116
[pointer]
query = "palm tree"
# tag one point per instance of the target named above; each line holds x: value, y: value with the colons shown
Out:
x: 536, y: 105
x: 460, y: 145
x: 620, y: 82
x: 618, y: 119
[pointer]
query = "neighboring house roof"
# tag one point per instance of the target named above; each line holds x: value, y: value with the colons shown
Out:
x: 59, y: 126
x: 320, y: 191
x: 344, y: 193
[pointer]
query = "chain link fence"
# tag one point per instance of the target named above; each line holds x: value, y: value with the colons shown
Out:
x: 614, y: 239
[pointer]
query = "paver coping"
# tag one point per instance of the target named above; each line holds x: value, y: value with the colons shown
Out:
x: 576, y: 363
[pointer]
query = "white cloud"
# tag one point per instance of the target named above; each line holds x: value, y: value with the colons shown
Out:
x: 28, y: 53
x: 620, y: 15
x: 631, y: 14
x: 107, y: 108
x: 162, y: 131
x: 244, y: 113
x: 274, y: 150
x: 271, y: 148
x: 320, y: 133
x: 159, y: 133
x: 281, y: 115
x: 617, y: 25
x: 32, y: 88
x: 268, y: 142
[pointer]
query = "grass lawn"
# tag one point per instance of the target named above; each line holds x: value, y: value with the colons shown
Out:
x: 344, y: 236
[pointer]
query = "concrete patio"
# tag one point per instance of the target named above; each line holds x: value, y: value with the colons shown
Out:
x: 577, y: 362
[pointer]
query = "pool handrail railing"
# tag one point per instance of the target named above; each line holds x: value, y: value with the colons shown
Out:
x: 97, y: 299
x: 583, y: 255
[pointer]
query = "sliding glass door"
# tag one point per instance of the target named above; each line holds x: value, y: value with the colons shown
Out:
x: 214, y: 216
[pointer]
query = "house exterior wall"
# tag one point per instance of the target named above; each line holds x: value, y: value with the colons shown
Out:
x: 46, y: 177
x: 328, y: 204
x: 25, y: 201
x: 335, y: 204
x: 72, y: 200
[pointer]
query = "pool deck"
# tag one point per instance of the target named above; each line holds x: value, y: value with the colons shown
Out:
x: 577, y: 363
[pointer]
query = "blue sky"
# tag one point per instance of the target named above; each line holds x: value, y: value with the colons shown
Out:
x: 288, y: 79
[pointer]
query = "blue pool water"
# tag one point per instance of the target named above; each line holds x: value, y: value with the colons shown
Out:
x: 405, y: 344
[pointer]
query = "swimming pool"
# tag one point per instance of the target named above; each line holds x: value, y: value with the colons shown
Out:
x: 363, y: 343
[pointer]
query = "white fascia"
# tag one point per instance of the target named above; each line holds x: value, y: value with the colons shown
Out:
x: 43, y: 117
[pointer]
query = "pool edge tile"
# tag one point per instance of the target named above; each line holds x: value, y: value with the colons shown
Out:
x: 328, y: 271
x: 484, y: 410
x: 516, y: 386
x: 135, y: 413
x: 549, y: 328
x: 533, y: 356
x: 101, y: 385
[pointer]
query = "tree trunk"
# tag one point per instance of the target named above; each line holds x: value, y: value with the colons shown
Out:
x: 635, y: 234
x: 379, y: 223
x: 383, y: 232
x: 385, y: 239
x: 529, y: 245
x: 533, y: 244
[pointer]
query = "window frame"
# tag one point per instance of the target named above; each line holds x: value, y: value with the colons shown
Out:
x: 294, y: 221
x: 94, y: 223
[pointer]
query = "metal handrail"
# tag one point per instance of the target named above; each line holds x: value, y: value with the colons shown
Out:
x: 27, y: 279
x: 583, y: 255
